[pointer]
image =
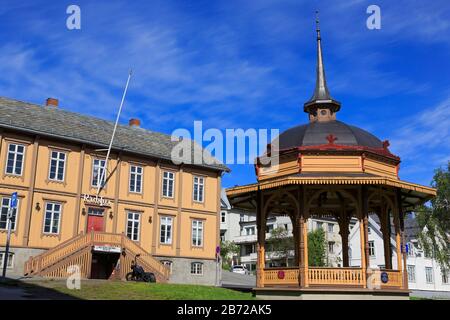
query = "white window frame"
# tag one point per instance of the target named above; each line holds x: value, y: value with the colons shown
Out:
x: 197, y: 230
x: 170, y: 186
x: 10, y: 260
x: 13, y: 228
x: 168, y: 230
x: 198, y: 189
x: 411, y: 269
x: 331, y: 246
x: 445, y: 276
x: 58, y: 164
x: 133, y: 236
x: 15, y: 153
x: 223, y: 217
x: 372, y: 252
x: 330, y: 226
x: 52, y: 219
x: 100, y: 169
x: 197, y: 268
x: 134, y: 174
x: 429, y: 274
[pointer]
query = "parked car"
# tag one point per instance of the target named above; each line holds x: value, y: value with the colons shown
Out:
x: 241, y: 269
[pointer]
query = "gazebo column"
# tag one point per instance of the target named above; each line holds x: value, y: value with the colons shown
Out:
x: 295, y: 233
x: 261, y: 225
x: 401, y: 220
x: 344, y: 232
x: 398, y: 242
x: 301, y: 250
x: 363, y: 220
x: 385, y: 230
x: 302, y: 230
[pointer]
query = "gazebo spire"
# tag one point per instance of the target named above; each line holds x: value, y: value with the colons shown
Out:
x: 321, y: 99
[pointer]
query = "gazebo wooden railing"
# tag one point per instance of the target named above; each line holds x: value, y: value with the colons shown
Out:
x: 336, y: 277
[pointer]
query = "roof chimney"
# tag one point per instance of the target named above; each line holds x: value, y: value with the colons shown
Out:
x: 134, y: 122
x: 52, y: 102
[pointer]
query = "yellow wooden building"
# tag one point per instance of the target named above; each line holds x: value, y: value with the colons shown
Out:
x: 147, y: 205
x: 330, y: 169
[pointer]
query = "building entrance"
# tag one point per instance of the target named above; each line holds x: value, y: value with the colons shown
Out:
x: 103, y: 264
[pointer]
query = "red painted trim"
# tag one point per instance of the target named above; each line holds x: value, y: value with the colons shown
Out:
x: 299, y: 162
x: 363, y: 157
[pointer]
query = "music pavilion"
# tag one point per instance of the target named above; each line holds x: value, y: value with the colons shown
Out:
x: 330, y: 169
x: 147, y: 205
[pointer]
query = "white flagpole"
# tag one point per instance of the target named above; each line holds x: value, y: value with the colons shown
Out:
x: 99, y: 182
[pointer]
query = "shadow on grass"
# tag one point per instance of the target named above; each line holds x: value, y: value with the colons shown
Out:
x: 25, y: 289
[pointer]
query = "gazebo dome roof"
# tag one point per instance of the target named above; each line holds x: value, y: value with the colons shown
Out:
x: 318, y: 133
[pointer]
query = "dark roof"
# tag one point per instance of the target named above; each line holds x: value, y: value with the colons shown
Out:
x: 315, y: 133
x: 58, y: 123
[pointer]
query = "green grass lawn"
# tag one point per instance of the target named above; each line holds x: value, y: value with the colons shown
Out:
x: 120, y: 290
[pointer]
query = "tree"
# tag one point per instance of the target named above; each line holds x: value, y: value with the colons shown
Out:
x: 281, y: 243
x: 434, y: 220
x: 227, y: 250
x: 316, y: 248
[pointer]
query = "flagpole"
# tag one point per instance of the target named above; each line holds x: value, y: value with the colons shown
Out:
x: 99, y: 182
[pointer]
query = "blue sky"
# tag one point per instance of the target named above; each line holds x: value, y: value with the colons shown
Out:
x: 240, y: 64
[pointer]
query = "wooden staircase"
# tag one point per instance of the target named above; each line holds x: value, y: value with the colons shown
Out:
x: 55, y: 262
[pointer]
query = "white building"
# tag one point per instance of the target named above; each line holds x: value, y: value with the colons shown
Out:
x: 425, y: 277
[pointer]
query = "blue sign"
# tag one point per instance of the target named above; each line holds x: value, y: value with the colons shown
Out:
x: 406, y: 248
x: 14, y: 200
x: 384, y: 277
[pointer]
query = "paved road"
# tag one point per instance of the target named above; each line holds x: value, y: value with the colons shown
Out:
x: 236, y: 280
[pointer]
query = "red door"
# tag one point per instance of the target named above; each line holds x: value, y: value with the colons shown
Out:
x: 95, y: 223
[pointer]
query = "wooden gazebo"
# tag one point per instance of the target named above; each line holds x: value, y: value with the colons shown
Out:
x: 327, y: 168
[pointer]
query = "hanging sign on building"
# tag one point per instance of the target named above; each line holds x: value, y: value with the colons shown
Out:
x: 108, y: 249
x: 96, y: 200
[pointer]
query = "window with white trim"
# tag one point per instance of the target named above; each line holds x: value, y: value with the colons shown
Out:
x: 168, y: 184
x: 411, y: 273
x: 372, y: 248
x: 133, y: 225
x: 197, y: 233
x: 57, y: 165
x: 98, y: 172
x: 429, y: 274
x: 10, y: 264
x: 223, y: 216
x: 411, y: 249
x: 330, y: 246
x: 136, y: 173
x: 199, y: 188
x: 5, y: 206
x: 166, y: 230
x: 445, y: 275
x: 197, y: 268
x: 14, y: 160
x: 330, y: 228
x: 52, y: 218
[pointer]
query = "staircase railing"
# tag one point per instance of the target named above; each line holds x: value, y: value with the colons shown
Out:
x: 147, y: 258
x: 48, y: 258
x: 54, y: 262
